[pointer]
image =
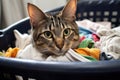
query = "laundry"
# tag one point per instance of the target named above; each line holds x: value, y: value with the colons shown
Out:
x: 82, y: 38
x: 93, y: 52
x: 87, y: 43
x: 92, y: 45
x: 93, y: 26
x: 29, y: 52
x: 109, y: 42
x: 11, y: 52
x: 22, y: 40
x: 89, y: 57
x: 95, y: 37
x: 74, y: 56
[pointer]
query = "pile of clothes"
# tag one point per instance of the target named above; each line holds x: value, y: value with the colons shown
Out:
x: 98, y: 41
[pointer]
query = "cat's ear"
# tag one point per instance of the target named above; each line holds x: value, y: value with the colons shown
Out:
x: 36, y: 15
x: 69, y: 10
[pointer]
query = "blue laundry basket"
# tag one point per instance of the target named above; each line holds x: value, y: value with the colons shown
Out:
x: 95, y: 10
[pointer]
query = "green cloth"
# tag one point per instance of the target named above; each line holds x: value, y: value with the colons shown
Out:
x: 90, y: 58
x: 87, y: 43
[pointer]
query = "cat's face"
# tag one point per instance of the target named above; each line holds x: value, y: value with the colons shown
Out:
x: 54, y: 33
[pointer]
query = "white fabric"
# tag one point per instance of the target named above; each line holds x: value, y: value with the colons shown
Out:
x: 22, y: 40
x: 109, y: 42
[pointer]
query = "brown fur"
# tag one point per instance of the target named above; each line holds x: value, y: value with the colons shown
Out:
x: 54, y: 33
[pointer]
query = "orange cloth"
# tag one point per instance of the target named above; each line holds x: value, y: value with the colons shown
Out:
x: 11, y: 52
x: 94, y: 52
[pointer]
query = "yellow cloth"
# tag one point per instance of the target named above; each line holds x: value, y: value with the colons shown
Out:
x: 11, y: 52
x: 94, y: 52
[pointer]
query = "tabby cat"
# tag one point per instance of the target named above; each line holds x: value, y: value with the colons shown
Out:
x: 54, y: 33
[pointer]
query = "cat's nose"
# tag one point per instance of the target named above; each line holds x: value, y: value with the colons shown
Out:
x: 59, y: 43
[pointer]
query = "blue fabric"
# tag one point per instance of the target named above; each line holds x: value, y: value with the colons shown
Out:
x: 86, y: 32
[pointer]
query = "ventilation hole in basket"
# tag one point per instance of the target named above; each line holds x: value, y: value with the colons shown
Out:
x: 105, y: 19
x: 91, y: 19
x: 114, y: 13
x: 113, y: 25
x: 91, y: 13
x: 85, y: 14
x: 98, y: 19
x: 98, y: 13
x: 106, y: 13
x: 113, y: 19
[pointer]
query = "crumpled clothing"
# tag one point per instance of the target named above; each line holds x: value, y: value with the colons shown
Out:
x: 87, y: 34
x: 11, y: 52
x: 74, y: 56
x: 87, y: 43
x: 94, y: 52
x: 31, y: 53
x: 109, y: 42
x: 22, y: 40
x: 95, y: 37
x: 94, y: 26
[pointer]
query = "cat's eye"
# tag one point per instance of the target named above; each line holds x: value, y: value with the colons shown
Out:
x: 66, y: 32
x: 48, y: 34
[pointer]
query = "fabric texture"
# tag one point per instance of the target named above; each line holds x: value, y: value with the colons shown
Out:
x: 109, y: 42
x: 94, y: 52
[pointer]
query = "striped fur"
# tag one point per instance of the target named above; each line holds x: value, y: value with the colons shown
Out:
x: 54, y: 33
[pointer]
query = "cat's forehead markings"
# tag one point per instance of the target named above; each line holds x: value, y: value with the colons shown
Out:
x: 68, y: 26
x: 52, y: 27
x: 62, y: 26
x: 45, y: 29
x: 65, y: 26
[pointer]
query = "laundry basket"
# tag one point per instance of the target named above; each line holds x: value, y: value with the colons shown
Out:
x: 95, y: 10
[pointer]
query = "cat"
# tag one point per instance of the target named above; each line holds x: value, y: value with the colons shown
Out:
x: 54, y: 34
